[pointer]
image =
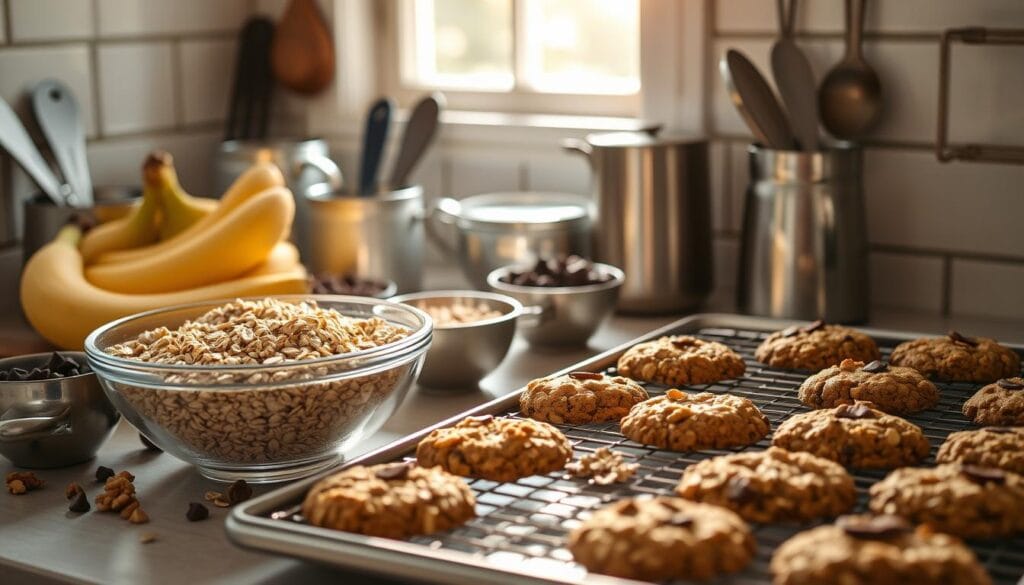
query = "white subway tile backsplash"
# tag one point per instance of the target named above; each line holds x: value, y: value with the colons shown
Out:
x: 473, y: 174
x: 23, y: 67
x: 118, y: 161
x: 154, y: 17
x: 44, y: 20
x: 915, y: 201
x: 986, y: 85
x: 137, y: 87
x: 988, y: 288
x: 906, y: 281
x: 207, y: 74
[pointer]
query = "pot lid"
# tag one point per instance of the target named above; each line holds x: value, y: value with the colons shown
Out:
x: 522, y: 210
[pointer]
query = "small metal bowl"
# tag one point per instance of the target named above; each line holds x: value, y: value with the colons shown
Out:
x: 562, y: 315
x: 56, y: 422
x: 463, y: 354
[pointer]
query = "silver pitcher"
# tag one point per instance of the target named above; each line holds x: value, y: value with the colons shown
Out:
x: 305, y: 163
x: 653, y: 217
x: 805, y: 252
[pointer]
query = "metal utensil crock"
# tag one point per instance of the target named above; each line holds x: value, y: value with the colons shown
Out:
x: 653, y: 217
x: 805, y: 253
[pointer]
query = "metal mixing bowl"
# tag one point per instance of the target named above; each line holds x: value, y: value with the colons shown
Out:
x: 464, y: 354
x: 53, y: 423
x: 562, y: 315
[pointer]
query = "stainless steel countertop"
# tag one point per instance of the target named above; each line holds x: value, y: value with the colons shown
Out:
x: 41, y: 542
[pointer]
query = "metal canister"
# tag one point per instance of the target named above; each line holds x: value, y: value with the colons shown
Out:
x: 805, y: 252
x: 653, y: 217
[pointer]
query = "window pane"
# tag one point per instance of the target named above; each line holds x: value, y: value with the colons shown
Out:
x: 464, y: 43
x: 582, y: 46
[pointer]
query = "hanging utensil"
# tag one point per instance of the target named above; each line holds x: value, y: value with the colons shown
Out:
x: 850, y: 97
x: 795, y: 80
x: 59, y: 118
x: 756, y: 102
x: 16, y: 141
x: 303, y: 51
x: 378, y: 122
x: 249, y: 108
x: 419, y: 133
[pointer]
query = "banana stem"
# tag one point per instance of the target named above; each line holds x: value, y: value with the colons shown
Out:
x: 70, y: 234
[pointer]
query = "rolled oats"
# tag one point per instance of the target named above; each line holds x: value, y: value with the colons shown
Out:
x: 460, y: 312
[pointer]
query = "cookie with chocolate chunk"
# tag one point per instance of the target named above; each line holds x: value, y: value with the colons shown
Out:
x: 679, y: 360
x: 815, y: 346
x: 891, y: 389
x: 958, y: 358
x: 580, y: 398
x: 686, y: 421
x: 1001, y: 403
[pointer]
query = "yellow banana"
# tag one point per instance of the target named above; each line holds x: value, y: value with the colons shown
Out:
x: 284, y: 257
x: 64, y: 307
x: 255, y: 180
x: 232, y: 245
x: 138, y: 228
x: 180, y: 210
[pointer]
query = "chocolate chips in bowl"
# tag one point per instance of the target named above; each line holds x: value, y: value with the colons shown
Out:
x: 559, y: 271
x: 325, y: 283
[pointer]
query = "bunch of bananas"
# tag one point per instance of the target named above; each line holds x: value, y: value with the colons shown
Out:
x: 172, y: 248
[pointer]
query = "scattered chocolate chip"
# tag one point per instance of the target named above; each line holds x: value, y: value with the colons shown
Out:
x: 239, y: 492
x: 983, y: 475
x: 149, y: 444
x: 628, y: 508
x: 790, y: 331
x: 197, y: 512
x: 482, y: 419
x: 738, y: 490
x: 876, y: 367
x: 104, y: 473
x: 1001, y: 430
x: 1008, y: 384
x: 873, y: 527
x: 855, y: 411
x: 558, y: 271
x: 80, y: 503
x: 956, y: 337
x: 72, y: 490
x: 681, y: 520
x: 819, y: 324
x: 585, y: 376
x: 395, y: 471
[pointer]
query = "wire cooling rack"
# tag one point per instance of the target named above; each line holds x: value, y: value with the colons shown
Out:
x: 521, y: 527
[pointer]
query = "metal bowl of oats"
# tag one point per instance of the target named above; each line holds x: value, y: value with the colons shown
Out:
x: 266, y: 389
x: 472, y: 333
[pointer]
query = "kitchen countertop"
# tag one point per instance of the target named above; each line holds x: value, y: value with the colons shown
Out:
x: 41, y: 542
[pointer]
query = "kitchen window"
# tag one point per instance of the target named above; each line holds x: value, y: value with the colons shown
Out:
x: 530, y: 56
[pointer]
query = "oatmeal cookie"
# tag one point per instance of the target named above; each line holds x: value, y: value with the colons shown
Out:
x: 679, y: 360
x: 392, y: 500
x: 771, y: 486
x: 856, y: 435
x: 498, y: 449
x: 875, y: 550
x: 1001, y: 447
x: 965, y: 500
x: 683, y: 421
x: 662, y: 538
x: 580, y: 398
x: 958, y: 358
x: 815, y: 347
x: 1001, y: 403
x: 890, y: 389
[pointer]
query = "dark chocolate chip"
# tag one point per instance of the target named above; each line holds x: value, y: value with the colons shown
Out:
x: 585, y: 376
x: 876, y: 367
x: 874, y: 527
x: 683, y: 342
x: 790, y: 331
x: 983, y: 475
x: 482, y: 419
x: 1008, y: 384
x: 956, y: 337
x: 19, y: 374
x: 1001, y: 430
x: 628, y: 508
x: 819, y: 324
x: 738, y: 490
x: 197, y: 512
x: 239, y: 492
x: 395, y: 471
x: 80, y: 503
x: 104, y: 473
x: 149, y: 444
x: 681, y: 520
x: 855, y: 411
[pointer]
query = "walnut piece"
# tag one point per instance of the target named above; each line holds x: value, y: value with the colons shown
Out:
x: 21, y: 482
x: 119, y: 496
x: 603, y: 467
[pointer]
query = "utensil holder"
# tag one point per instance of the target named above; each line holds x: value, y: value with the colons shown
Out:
x: 804, y: 252
x: 379, y: 236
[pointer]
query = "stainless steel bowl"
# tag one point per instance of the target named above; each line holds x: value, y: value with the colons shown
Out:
x: 562, y: 315
x: 53, y: 423
x: 462, y: 355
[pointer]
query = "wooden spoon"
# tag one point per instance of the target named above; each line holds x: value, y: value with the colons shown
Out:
x: 303, y: 51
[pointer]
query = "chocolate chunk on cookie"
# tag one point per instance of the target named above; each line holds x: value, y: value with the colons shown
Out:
x: 498, y: 449
x: 771, y: 486
x: 580, y: 398
x: 857, y: 436
x: 877, y: 550
x: 1001, y: 447
x: 815, y: 347
x: 680, y: 360
x: 958, y: 358
x: 392, y: 500
x: 964, y: 500
x: 895, y: 390
x: 662, y: 538
x: 1001, y: 403
x: 684, y: 421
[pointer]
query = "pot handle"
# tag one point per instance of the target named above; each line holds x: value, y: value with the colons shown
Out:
x: 327, y: 167
x: 535, y: 315
x: 578, y: 146
x: 15, y: 426
x: 444, y: 211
